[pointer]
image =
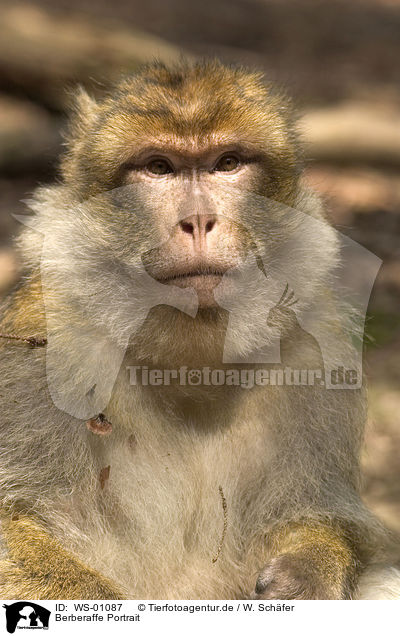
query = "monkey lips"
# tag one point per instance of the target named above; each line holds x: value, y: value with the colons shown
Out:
x: 202, y: 281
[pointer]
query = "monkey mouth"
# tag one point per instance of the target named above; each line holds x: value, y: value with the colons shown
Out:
x: 192, y: 277
x: 203, y: 281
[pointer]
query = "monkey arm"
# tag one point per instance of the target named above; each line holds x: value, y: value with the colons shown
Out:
x: 38, y: 567
x: 308, y: 562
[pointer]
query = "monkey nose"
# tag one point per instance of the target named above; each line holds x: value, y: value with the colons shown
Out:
x: 198, y: 226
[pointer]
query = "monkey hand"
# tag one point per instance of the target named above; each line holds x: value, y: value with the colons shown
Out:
x: 289, y: 577
x: 312, y: 564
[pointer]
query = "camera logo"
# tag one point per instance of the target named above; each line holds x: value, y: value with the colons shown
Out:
x: 26, y: 615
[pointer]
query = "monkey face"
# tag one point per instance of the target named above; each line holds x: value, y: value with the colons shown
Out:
x: 198, y: 224
x: 193, y: 147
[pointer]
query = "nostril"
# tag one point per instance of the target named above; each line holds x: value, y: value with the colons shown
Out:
x: 209, y: 226
x: 187, y: 227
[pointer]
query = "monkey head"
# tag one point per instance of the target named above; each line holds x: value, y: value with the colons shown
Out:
x: 185, y: 172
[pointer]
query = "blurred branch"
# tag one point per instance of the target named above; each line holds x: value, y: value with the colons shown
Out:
x: 353, y: 133
x: 42, y: 53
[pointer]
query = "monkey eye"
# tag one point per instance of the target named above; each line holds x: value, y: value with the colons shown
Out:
x: 159, y: 167
x: 227, y: 163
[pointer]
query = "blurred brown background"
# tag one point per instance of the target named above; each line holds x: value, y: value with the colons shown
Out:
x: 340, y: 62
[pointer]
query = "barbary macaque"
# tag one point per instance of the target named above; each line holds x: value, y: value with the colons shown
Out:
x: 180, y: 243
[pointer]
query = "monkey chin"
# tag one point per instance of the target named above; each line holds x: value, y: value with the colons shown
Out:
x: 203, y: 284
x: 200, y: 341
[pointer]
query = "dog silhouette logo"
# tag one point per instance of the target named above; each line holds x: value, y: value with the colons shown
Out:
x: 26, y: 615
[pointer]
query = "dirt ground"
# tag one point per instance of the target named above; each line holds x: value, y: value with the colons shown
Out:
x: 328, y: 54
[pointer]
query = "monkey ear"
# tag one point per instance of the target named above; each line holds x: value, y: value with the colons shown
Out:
x: 84, y: 113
